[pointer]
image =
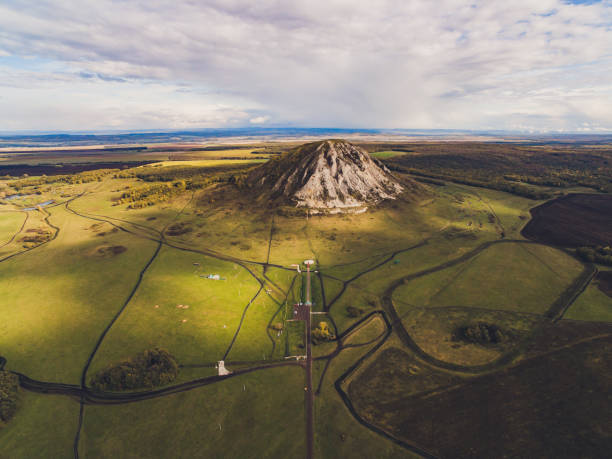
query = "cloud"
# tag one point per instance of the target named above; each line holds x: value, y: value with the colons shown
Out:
x: 259, y: 120
x: 386, y: 63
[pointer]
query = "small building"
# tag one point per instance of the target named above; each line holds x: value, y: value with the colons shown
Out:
x: 222, y: 370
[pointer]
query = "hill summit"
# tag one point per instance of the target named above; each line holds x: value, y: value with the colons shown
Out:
x: 330, y: 174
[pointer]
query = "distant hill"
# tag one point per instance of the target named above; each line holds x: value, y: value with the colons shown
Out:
x: 330, y: 174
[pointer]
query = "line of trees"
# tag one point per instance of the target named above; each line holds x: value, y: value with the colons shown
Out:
x: 72, y: 179
x: 137, y: 198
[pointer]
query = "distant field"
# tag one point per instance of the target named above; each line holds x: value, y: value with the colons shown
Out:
x: 387, y: 154
x: 209, y: 162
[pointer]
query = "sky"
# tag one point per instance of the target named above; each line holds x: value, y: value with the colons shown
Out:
x: 520, y: 65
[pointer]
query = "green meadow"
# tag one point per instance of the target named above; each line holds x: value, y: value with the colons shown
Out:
x: 207, y: 275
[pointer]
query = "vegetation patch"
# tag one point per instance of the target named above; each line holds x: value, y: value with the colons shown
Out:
x: 454, y: 334
x: 150, y: 195
x: 178, y: 229
x: 322, y: 333
x: 71, y: 179
x: 354, y: 312
x: 9, y: 394
x: 482, y: 333
x: 517, y: 169
x: 601, y: 255
x: 393, y: 372
x: 532, y: 407
x: 110, y: 250
x: 151, y: 368
x: 36, y: 236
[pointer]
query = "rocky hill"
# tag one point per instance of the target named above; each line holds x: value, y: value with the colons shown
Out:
x: 331, y: 174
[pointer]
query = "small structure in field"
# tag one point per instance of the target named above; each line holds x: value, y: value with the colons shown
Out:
x: 222, y: 370
x: 212, y: 276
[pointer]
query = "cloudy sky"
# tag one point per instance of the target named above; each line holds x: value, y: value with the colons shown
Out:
x: 414, y: 64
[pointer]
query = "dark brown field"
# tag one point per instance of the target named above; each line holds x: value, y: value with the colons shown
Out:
x: 18, y: 170
x: 554, y: 404
x: 575, y: 220
x: 604, y: 282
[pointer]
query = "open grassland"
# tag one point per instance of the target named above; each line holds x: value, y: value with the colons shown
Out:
x: 435, y: 331
x: 208, y: 162
x: 57, y: 298
x: 43, y: 425
x: 198, y: 333
x: 387, y: 154
x: 10, y: 224
x: 508, y: 276
x: 254, y: 415
x: 593, y: 304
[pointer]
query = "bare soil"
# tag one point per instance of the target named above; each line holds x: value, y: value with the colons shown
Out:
x: 575, y: 220
x: 604, y: 282
x: 17, y: 170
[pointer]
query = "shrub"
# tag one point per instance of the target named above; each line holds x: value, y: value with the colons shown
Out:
x: 352, y: 311
x: 9, y: 394
x: 481, y: 333
x: 599, y: 254
x: 322, y: 333
x: 153, y: 367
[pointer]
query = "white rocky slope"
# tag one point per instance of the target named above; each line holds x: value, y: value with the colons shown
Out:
x: 332, y: 174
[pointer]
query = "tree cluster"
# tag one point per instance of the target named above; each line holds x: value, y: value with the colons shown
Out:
x: 599, y: 254
x: 153, y: 367
x: 137, y: 198
x: 322, y: 333
x: 481, y: 333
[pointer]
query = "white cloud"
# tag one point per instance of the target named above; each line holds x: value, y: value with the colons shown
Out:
x: 386, y: 63
x: 259, y: 120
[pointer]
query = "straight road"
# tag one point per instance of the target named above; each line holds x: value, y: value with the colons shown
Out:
x: 309, y: 393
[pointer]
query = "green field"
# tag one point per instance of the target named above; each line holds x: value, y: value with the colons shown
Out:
x: 112, y: 282
x: 509, y: 276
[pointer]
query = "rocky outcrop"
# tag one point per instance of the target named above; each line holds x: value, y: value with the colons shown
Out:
x: 332, y: 174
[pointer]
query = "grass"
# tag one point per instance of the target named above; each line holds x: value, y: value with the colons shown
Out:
x: 433, y: 330
x: 200, y: 333
x: 509, y: 276
x: 57, y: 298
x: 387, y: 154
x: 208, y: 162
x: 592, y: 305
x: 261, y: 415
x: 338, y: 433
x: 45, y: 425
